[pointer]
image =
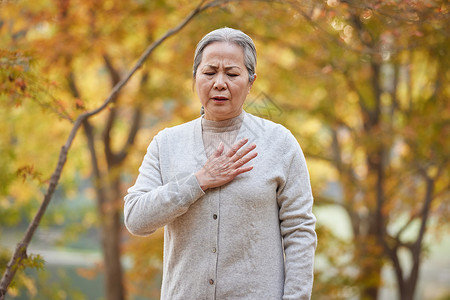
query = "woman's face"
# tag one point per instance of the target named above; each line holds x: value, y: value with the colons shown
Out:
x: 222, y: 81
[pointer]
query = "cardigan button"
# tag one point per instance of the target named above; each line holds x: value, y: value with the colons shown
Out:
x: 213, y: 249
x: 214, y: 216
x: 211, y: 281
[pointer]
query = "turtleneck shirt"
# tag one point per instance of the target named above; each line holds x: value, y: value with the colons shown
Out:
x: 216, y: 132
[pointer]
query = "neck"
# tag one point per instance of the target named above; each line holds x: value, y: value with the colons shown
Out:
x: 217, y: 119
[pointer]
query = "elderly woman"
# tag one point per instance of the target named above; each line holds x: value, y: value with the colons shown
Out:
x: 238, y: 223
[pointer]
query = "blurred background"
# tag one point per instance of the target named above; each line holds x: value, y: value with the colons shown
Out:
x: 363, y: 85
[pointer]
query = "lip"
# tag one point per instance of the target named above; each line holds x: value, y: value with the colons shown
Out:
x: 219, y: 98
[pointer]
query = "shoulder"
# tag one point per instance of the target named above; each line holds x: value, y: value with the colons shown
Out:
x: 268, y: 129
x: 274, y: 138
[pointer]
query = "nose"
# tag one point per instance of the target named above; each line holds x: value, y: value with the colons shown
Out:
x: 219, y: 83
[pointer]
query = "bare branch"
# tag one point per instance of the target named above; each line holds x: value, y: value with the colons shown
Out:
x: 95, y: 165
x: 416, y: 249
x: 137, y: 116
x: 337, y: 155
x: 73, y: 85
x: 113, y: 72
x: 107, y: 133
x: 351, y: 84
x: 413, y: 217
x: 111, y: 157
x: 115, y: 79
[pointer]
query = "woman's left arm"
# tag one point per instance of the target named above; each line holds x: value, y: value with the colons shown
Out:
x: 297, y: 223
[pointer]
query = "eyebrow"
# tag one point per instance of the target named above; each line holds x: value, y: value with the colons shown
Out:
x: 226, y: 68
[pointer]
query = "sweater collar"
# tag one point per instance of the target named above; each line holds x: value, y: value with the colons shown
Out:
x: 224, y: 125
x: 247, y: 130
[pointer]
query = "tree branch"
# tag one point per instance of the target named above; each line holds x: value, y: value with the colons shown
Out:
x: 95, y: 166
x: 116, y: 158
x: 406, y: 225
x: 121, y: 155
x: 365, y: 111
x: 115, y: 78
x: 416, y: 249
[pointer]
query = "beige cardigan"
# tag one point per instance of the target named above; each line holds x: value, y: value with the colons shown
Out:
x: 252, y: 238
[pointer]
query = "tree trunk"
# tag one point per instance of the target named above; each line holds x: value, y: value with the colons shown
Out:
x: 370, y: 266
x: 107, y: 192
x: 111, y: 226
x: 407, y: 293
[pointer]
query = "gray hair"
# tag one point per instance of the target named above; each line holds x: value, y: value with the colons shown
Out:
x: 233, y: 36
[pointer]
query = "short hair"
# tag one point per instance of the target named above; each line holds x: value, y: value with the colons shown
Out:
x: 233, y: 36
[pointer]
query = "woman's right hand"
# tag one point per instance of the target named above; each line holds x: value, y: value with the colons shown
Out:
x: 222, y: 168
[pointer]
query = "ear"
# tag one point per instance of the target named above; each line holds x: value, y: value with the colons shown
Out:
x: 251, y: 84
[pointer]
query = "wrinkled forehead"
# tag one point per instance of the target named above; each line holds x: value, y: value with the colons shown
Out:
x: 223, y: 54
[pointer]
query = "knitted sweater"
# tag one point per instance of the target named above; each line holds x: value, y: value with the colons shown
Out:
x: 252, y: 238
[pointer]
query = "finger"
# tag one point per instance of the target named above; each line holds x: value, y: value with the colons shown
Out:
x: 242, y: 161
x: 243, y: 170
x: 219, y: 150
x: 243, y: 153
x: 236, y: 147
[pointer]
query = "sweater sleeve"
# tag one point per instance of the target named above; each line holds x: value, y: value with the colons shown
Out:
x: 297, y: 224
x: 150, y: 204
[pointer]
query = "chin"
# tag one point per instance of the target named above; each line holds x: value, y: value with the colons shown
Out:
x: 219, y: 116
